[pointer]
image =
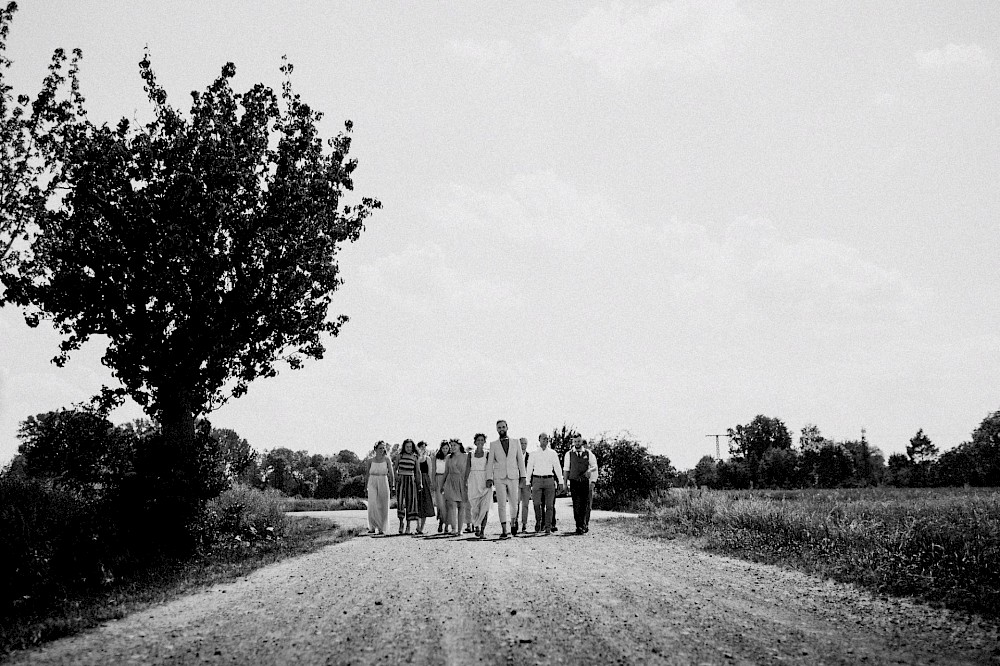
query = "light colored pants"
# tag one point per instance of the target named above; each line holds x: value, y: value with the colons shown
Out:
x: 507, y: 491
x: 524, y: 501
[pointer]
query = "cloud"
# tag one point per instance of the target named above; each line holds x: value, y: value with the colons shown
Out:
x: 954, y: 55
x: 675, y: 37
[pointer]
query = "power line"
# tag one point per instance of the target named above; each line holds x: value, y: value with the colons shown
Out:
x: 718, y: 455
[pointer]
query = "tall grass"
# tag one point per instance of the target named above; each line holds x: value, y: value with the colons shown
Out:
x: 942, y: 546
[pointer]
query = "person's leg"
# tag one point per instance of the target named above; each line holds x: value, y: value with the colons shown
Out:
x: 451, y: 514
x: 590, y: 505
x: 501, y: 489
x: 548, y: 498
x: 536, y: 499
x: 514, y: 496
x: 525, y: 505
x: 579, y: 495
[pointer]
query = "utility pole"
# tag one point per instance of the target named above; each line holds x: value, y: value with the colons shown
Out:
x: 718, y: 456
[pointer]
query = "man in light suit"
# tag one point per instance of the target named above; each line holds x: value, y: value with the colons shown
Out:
x: 506, y: 467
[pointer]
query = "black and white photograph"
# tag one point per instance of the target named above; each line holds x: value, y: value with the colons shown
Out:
x: 625, y: 332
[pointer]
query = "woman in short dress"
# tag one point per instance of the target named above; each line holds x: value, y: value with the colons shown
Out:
x: 425, y: 496
x: 456, y: 492
x: 480, y: 496
x: 407, y: 486
x: 379, y: 480
x: 440, y: 463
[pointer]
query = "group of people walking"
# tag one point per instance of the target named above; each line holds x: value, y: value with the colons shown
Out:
x: 459, y: 486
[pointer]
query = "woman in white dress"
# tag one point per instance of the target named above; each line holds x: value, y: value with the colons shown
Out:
x: 379, y: 479
x: 480, y: 496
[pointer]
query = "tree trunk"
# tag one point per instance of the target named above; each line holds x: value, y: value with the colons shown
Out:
x: 177, y: 422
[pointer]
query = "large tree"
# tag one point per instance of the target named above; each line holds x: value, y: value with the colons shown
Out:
x: 34, y: 135
x: 752, y: 440
x: 203, y: 246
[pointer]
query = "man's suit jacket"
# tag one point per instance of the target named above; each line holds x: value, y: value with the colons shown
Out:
x: 508, y: 465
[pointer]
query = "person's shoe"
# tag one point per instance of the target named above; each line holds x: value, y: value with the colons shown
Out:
x: 524, y: 527
x: 538, y: 528
x: 504, y: 536
x: 440, y: 527
x: 555, y: 529
x: 513, y: 530
x: 547, y: 531
x: 579, y: 530
x: 586, y: 529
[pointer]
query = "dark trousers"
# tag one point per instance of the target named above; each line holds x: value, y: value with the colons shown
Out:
x: 580, y: 492
x: 543, y: 492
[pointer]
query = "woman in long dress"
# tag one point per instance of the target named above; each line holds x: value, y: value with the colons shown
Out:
x: 440, y: 463
x: 425, y: 496
x: 456, y: 492
x: 379, y: 480
x: 465, y: 515
x: 408, y: 485
x: 480, y: 496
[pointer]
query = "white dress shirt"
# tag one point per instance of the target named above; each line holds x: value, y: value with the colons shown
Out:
x: 544, y: 462
x: 592, y: 470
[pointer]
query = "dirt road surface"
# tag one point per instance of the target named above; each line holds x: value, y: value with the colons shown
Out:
x: 603, y: 598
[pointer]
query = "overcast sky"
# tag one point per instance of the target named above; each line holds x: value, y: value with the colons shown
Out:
x: 661, y: 218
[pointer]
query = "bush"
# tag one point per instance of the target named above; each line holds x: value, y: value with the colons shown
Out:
x: 243, y: 516
x: 54, y: 540
x: 629, y: 474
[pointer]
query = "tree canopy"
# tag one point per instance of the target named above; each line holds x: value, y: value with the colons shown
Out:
x: 203, y: 246
x: 34, y: 135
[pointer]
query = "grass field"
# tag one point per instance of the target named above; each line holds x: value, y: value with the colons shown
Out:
x: 941, y: 546
x: 159, y: 582
x: 291, y: 504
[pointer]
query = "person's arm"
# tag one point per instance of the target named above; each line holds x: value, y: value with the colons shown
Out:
x: 592, y: 467
x: 468, y: 467
x: 530, y: 467
x: 557, y: 471
x: 595, y: 470
x: 489, y: 468
x: 392, y: 475
x: 520, y: 463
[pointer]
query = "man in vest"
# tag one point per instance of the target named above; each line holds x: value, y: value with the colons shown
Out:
x: 505, y: 471
x: 578, y: 465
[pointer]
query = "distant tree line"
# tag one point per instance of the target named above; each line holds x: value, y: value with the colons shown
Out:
x: 762, y: 455
x: 81, y: 449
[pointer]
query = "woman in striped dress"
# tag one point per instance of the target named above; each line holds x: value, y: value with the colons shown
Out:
x: 408, y: 484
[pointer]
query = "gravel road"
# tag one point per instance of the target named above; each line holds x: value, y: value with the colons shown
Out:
x: 607, y: 597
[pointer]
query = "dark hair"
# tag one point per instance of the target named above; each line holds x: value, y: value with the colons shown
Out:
x: 379, y: 443
x: 402, y: 447
x: 458, y: 443
x: 422, y: 443
x: 503, y: 421
x: 478, y: 435
x: 441, y: 455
